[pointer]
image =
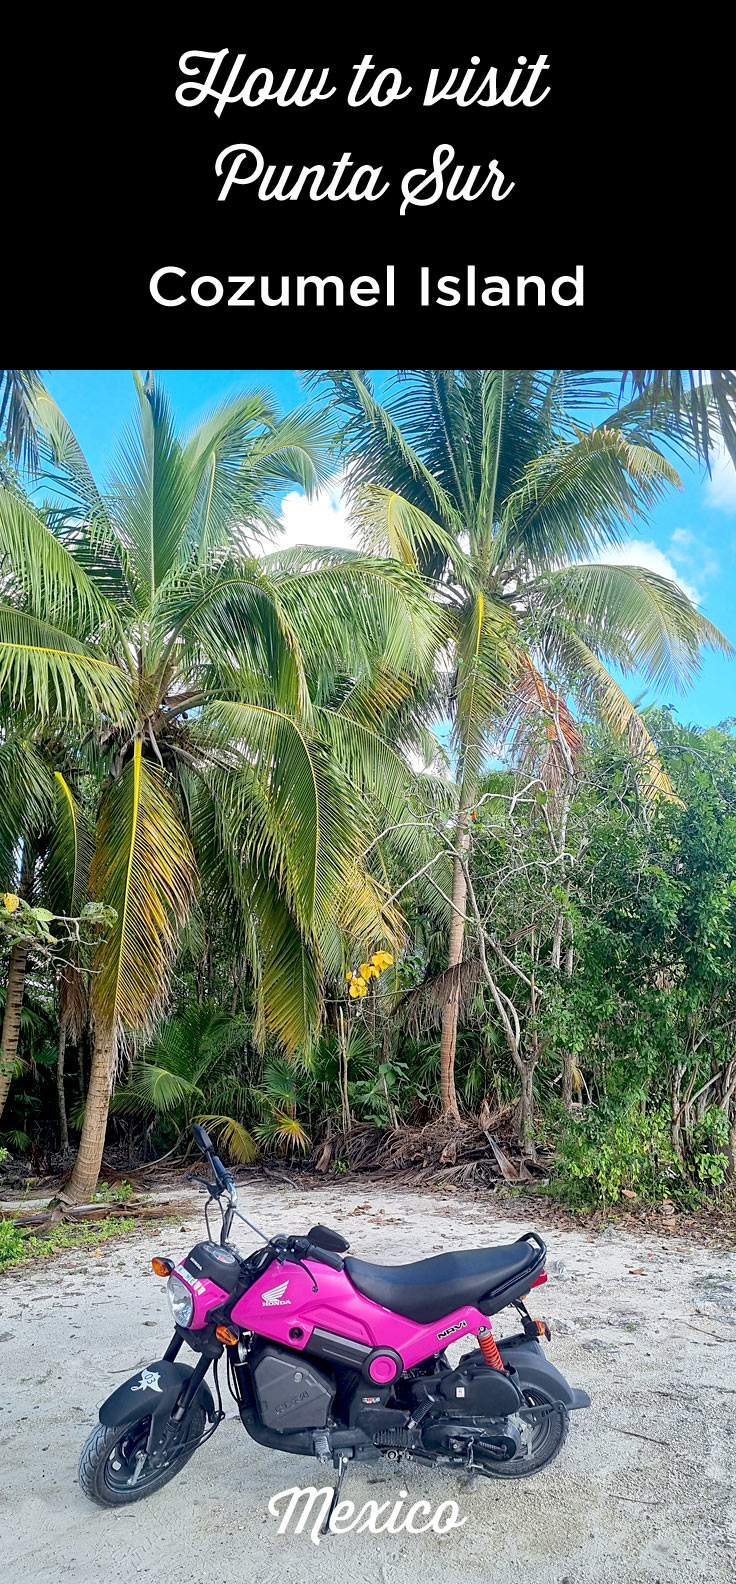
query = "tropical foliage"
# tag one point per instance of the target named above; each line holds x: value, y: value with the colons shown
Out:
x: 496, y: 484
x: 209, y: 749
x: 225, y: 706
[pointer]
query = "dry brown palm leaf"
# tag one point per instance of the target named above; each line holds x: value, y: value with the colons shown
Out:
x: 534, y: 702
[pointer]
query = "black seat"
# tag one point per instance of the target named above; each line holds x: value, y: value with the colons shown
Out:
x: 429, y: 1289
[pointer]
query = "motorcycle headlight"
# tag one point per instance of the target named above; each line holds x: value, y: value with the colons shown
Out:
x: 181, y: 1300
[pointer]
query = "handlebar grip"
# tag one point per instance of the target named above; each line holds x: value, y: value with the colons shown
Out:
x: 324, y: 1256
x: 202, y: 1139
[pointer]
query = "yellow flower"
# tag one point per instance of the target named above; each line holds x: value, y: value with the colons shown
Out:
x: 381, y: 960
x: 11, y: 902
x: 367, y: 971
x: 358, y: 987
x: 349, y: 976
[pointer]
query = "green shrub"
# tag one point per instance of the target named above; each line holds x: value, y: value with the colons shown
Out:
x: 12, y: 1244
x: 609, y: 1151
x: 18, y: 1249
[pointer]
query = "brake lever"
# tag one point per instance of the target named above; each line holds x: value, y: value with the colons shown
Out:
x: 213, y: 1189
x: 294, y: 1259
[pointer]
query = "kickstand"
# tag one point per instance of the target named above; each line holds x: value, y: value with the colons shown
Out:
x: 342, y: 1466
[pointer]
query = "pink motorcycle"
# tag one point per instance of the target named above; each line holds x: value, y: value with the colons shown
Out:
x: 337, y: 1359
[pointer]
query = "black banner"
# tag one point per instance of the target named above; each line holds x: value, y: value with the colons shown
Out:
x: 240, y: 192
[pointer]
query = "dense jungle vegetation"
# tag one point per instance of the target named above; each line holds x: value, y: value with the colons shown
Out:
x: 341, y: 852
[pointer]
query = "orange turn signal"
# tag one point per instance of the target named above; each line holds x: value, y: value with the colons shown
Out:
x: 162, y: 1267
x: 224, y: 1334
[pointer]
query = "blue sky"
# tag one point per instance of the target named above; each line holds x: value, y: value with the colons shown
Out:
x: 691, y: 535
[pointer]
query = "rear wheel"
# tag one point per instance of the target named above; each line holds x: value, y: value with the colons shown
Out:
x: 112, y: 1455
x: 543, y: 1436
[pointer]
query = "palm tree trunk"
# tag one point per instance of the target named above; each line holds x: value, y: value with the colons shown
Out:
x: 11, y: 1019
x: 61, y: 1052
x: 86, y: 1171
x: 448, y: 1040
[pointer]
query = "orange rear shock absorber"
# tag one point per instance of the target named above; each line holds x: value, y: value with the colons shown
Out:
x: 489, y: 1349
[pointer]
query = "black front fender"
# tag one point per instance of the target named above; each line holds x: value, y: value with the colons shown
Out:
x: 154, y: 1390
x: 534, y: 1369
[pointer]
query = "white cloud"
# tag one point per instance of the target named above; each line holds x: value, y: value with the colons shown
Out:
x: 645, y: 553
x: 320, y: 521
x: 720, y: 489
x: 693, y: 555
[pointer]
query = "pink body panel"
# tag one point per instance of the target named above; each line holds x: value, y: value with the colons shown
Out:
x: 283, y: 1297
x: 207, y: 1295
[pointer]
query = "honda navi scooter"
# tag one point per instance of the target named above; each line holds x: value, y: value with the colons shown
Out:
x: 337, y: 1359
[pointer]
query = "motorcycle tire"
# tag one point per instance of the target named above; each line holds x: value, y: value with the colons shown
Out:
x: 108, y: 1460
x: 547, y: 1440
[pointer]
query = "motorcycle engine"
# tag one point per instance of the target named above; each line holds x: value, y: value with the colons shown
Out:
x: 292, y: 1394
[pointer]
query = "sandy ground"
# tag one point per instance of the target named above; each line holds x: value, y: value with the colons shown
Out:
x: 643, y: 1490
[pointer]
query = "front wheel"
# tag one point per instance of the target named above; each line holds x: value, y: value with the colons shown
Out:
x: 112, y: 1455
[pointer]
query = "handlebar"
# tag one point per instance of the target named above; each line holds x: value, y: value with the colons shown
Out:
x: 221, y: 1172
x: 324, y: 1256
x: 223, y: 1177
x: 301, y: 1248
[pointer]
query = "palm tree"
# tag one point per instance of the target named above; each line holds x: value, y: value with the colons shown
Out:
x: 139, y: 615
x: 487, y: 482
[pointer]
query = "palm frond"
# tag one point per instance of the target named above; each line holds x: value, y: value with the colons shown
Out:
x: 532, y: 702
x: 291, y: 976
x: 27, y: 797
x: 154, y: 1091
x: 374, y: 439
x: 144, y: 868
x: 233, y: 1137
x: 346, y: 608
x: 18, y: 388
x: 225, y: 499
x: 600, y: 688
x: 700, y: 396
x: 485, y: 645
x: 153, y: 492
x: 69, y: 855
x: 83, y: 524
x: 297, y: 449
x: 41, y: 571
x: 230, y: 615
x: 629, y: 615
x: 390, y: 525
x: 320, y: 820
x: 281, y: 1131
x: 579, y: 496
x: 48, y: 673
